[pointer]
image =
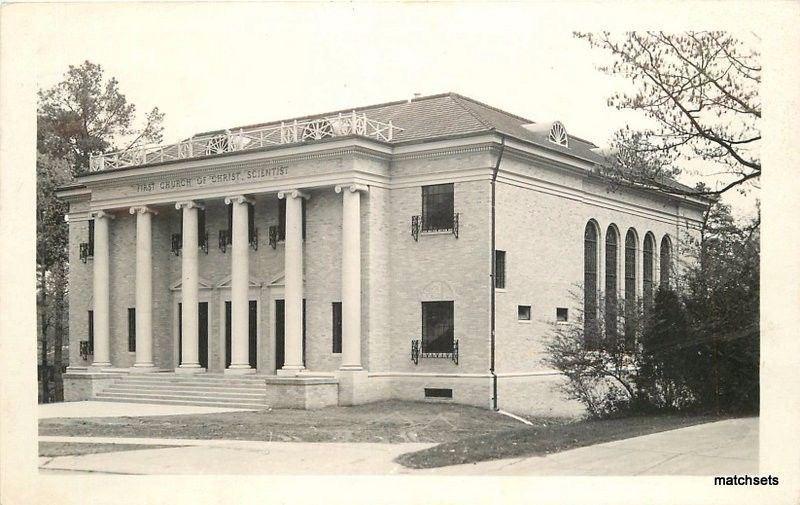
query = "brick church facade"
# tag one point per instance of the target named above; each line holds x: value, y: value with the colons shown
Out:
x: 347, y: 257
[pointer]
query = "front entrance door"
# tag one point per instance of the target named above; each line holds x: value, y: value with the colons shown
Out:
x: 252, y: 333
x: 202, y: 331
x: 280, y: 333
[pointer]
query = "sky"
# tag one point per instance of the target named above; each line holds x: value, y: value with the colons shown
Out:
x: 211, y: 66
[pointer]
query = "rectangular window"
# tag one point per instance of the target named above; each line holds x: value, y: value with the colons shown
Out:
x: 437, y: 327
x: 500, y: 269
x: 230, y: 219
x: 132, y: 330
x: 282, y: 218
x: 437, y: 207
x: 91, y: 332
x: 562, y: 314
x: 201, y: 226
x: 524, y: 312
x: 336, y: 324
x: 91, y: 237
x: 251, y: 222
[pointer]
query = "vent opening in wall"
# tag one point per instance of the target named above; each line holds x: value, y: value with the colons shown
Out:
x: 438, y: 393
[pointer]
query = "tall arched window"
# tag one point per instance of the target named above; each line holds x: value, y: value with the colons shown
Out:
x: 630, y: 286
x: 666, y: 261
x: 647, y: 270
x: 590, y: 239
x: 612, y: 241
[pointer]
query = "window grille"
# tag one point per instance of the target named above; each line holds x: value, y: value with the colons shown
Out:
x: 647, y: 270
x: 630, y: 287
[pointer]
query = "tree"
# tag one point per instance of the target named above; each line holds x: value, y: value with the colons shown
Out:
x: 81, y: 115
x: 700, y: 93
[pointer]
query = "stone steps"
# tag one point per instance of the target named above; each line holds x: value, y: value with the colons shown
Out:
x: 200, y: 390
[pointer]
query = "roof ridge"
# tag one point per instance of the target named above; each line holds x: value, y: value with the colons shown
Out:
x: 456, y: 98
x: 496, y: 109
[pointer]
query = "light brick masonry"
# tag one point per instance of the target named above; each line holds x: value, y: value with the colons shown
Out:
x: 544, y: 199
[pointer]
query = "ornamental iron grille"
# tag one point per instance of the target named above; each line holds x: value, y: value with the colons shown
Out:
x: 177, y: 243
x: 85, y: 349
x: 85, y: 253
x: 416, y: 353
x: 242, y: 139
x: 415, y: 227
x: 204, y: 241
x: 558, y: 134
x: 273, y: 236
x: 224, y: 240
x: 253, y: 239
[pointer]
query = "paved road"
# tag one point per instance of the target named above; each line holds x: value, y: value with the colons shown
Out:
x: 721, y: 448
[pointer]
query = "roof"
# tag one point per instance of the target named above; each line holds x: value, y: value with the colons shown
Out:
x: 451, y: 114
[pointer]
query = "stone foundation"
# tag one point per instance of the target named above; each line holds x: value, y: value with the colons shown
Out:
x: 82, y: 385
x: 301, y: 392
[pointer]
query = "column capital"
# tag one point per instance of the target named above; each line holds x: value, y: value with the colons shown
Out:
x: 294, y: 193
x: 189, y: 204
x: 238, y: 199
x: 97, y: 214
x: 142, y: 209
x: 351, y: 188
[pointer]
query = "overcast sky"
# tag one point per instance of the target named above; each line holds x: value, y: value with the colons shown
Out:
x: 208, y: 66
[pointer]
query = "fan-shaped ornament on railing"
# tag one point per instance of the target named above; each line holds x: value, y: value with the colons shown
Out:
x: 218, y: 144
x: 558, y: 134
x: 319, y: 129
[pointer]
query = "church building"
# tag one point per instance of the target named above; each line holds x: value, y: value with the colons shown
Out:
x: 420, y: 250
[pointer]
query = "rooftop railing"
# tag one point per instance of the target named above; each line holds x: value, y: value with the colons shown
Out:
x: 247, y: 139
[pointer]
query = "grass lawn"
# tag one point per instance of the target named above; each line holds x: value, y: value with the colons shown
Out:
x: 387, y: 422
x: 54, y: 449
x: 542, y: 438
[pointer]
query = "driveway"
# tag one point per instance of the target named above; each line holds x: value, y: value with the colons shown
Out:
x: 720, y: 448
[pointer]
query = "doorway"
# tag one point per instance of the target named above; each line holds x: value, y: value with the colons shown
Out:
x: 252, y: 333
x: 280, y: 333
x: 202, y: 334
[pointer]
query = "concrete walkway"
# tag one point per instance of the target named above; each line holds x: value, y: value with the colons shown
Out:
x: 120, y: 409
x: 721, y: 448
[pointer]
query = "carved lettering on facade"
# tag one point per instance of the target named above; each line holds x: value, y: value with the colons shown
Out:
x: 213, y: 179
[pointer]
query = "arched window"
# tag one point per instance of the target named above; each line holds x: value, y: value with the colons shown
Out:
x: 590, y: 238
x: 666, y: 261
x: 647, y: 270
x: 630, y: 286
x: 612, y: 241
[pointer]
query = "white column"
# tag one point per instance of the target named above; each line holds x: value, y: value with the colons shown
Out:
x: 189, y: 290
x: 101, y: 354
x: 240, y: 280
x: 144, y: 289
x: 293, y: 291
x: 351, y: 275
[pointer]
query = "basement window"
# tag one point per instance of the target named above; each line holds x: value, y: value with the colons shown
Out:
x: 562, y: 315
x: 523, y: 312
x: 438, y: 393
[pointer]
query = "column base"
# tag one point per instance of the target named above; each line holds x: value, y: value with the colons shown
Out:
x: 190, y: 369
x: 239, y: 370
x: 96, y: 366
x: 143, y: 368
x: 291, y: 371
